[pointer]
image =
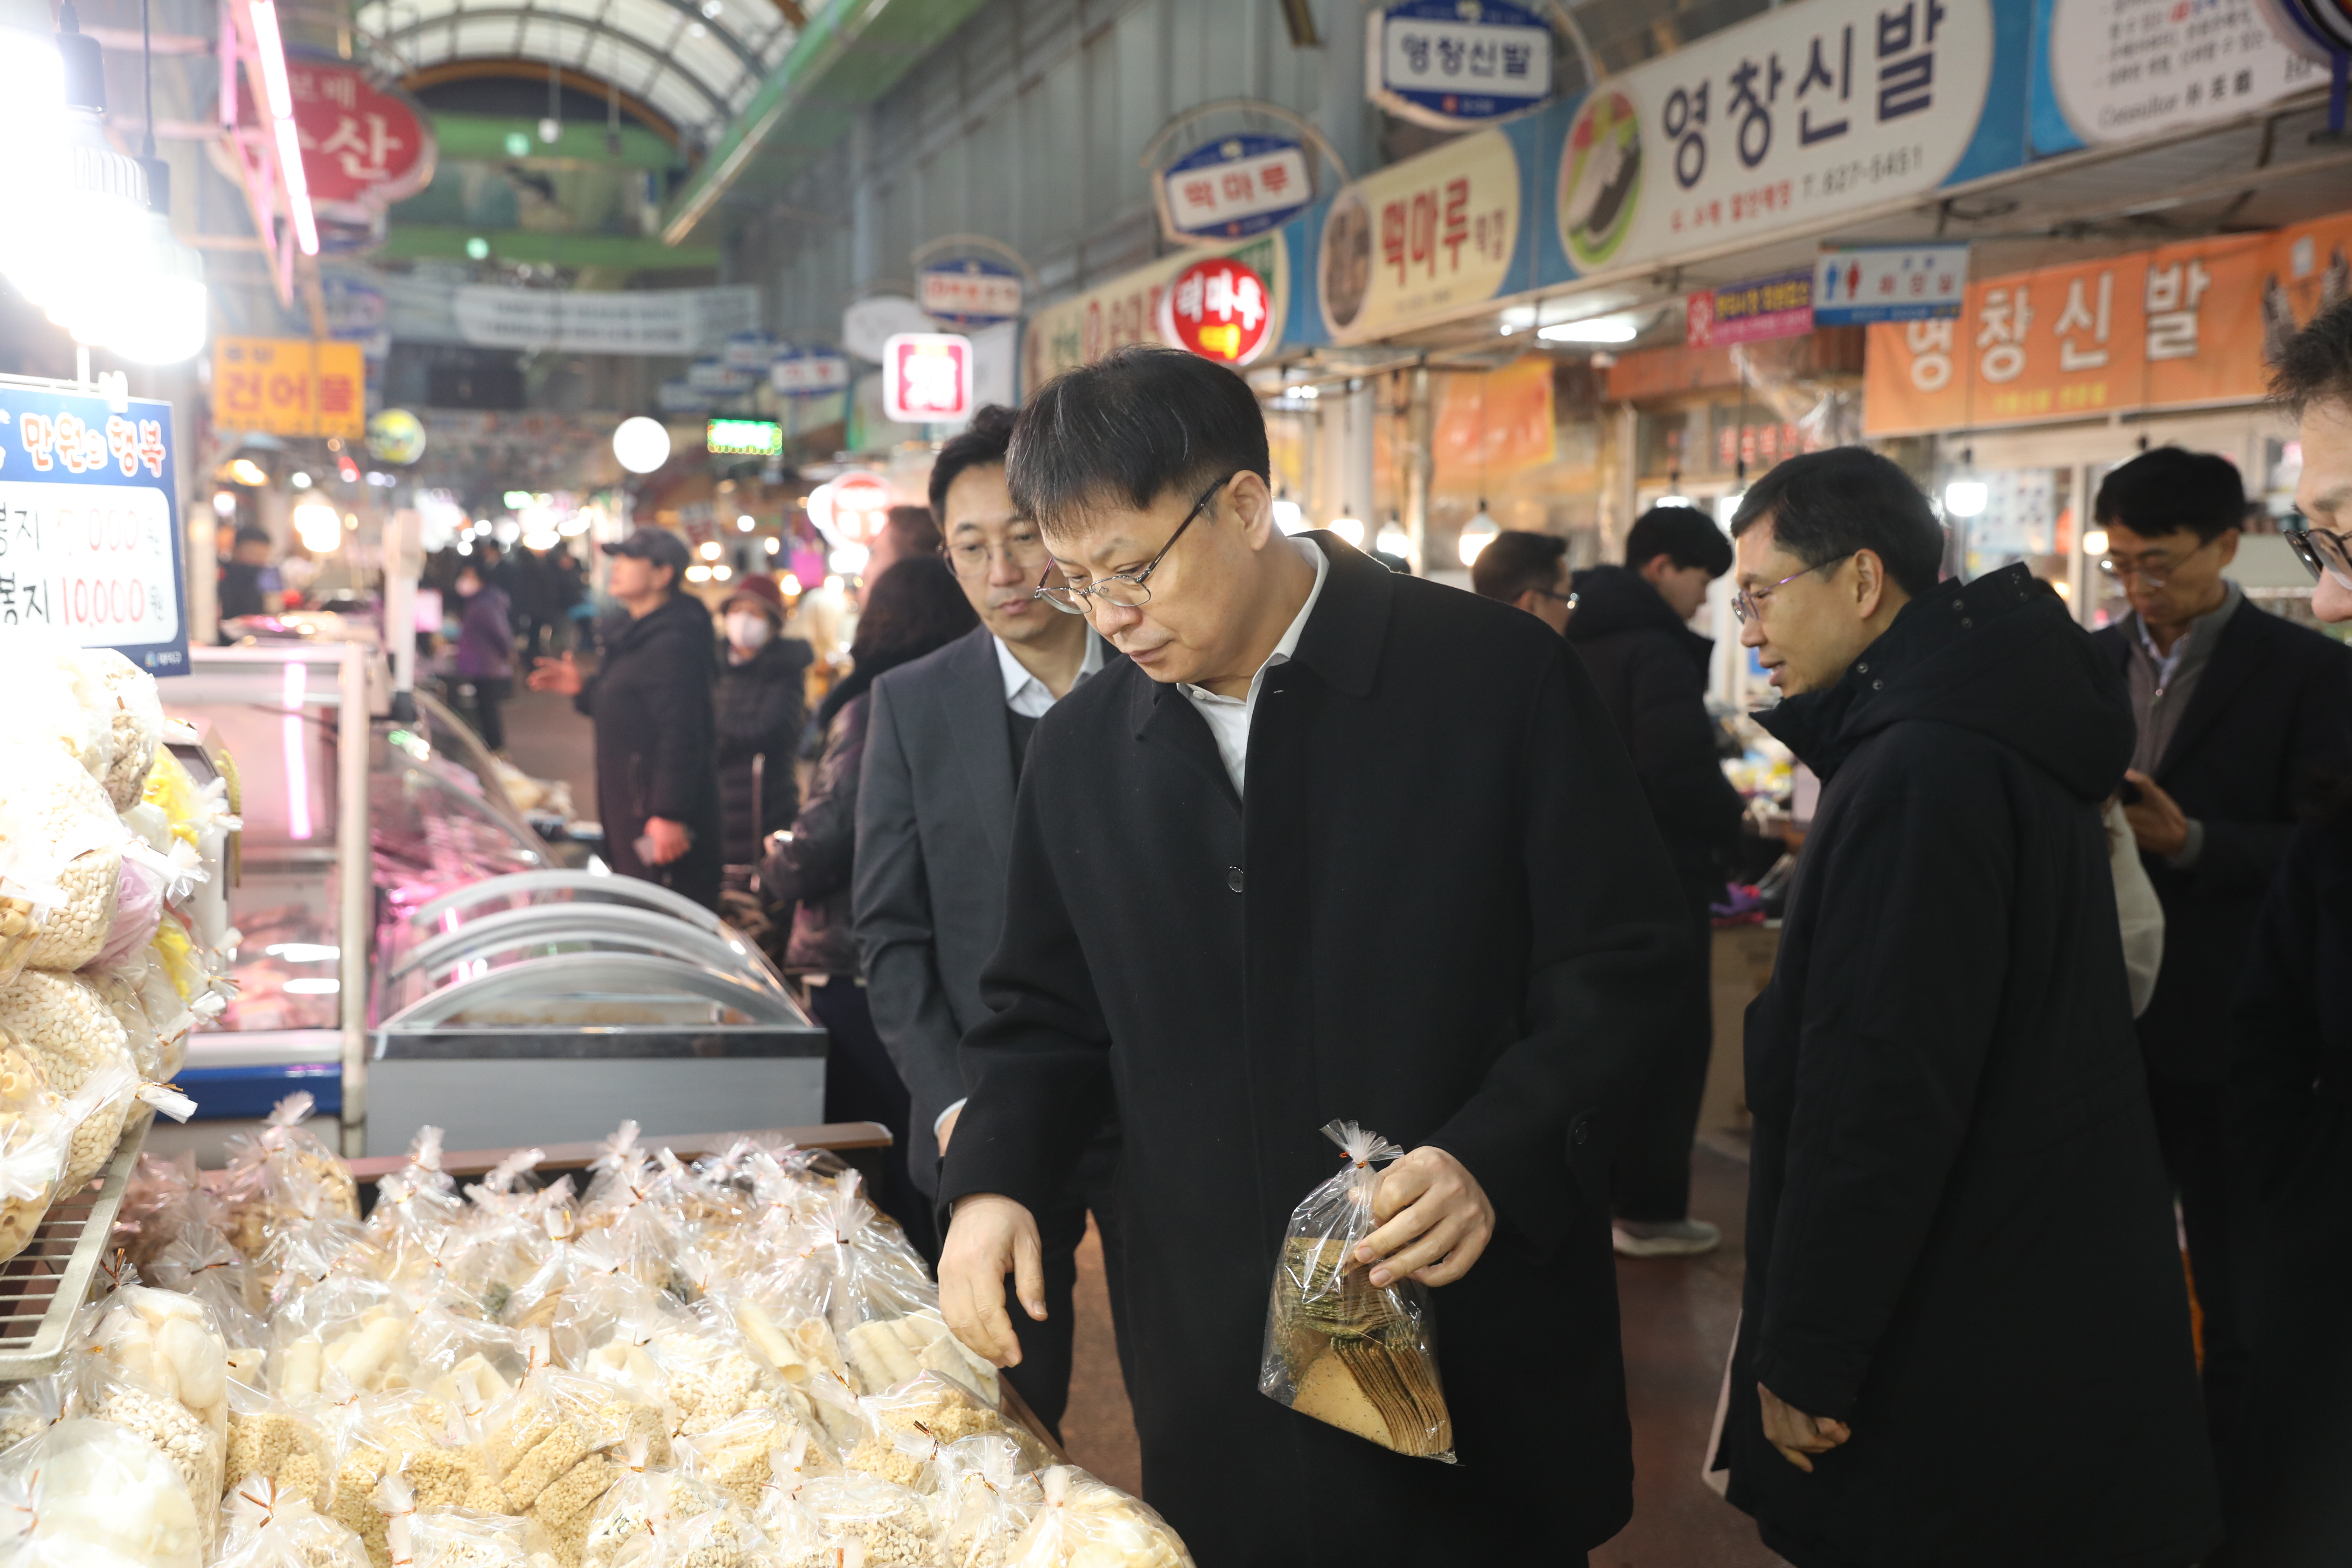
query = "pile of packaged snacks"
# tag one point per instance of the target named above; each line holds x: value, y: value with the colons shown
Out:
x: 655, y: 1375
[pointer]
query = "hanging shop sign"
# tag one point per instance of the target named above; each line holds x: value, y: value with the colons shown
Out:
x: 290, y: 386
x: 680, y: 395
x: 926, y: 378
x: 1855, y: 285
x: 365, y: 145
x: 716, y: 377
x: 2114, y: 70
x: 744, y: 439
x: 1236, y: 187
x: 2319, y: 30
x: 396, y: 436
x: 2171, y: 328
x: 1792, y: 118
x: 969, y: 292
x: 1420, y: 238
x: 1217, y: 309
x: 1082, y: 329
x: 814, y: 373
x: 749, y: 352
x: 870, y: 323
x: 89, y: 535
x: 633, y: 321
x: 1781, y: 306
x: 1456, y: 63
x: 852, y: 507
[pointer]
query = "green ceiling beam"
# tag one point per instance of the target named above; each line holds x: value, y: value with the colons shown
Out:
x: 489, y: 137
x: 851, y: 53
x: 638, y: 253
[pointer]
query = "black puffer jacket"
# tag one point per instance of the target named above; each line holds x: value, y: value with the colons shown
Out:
x: 812, y: 866
x: 1960, y: 1238
x: 1651, y: 670
x: 651, y: 702
x: 760, y: 706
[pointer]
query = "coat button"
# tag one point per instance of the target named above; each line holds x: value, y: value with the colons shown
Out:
x: 1876, y: 685
x: 1583, y: 1133
x: 1233, y: 877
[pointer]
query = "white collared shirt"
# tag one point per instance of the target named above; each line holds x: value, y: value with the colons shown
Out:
x: 1023, y: 692
x: 1228, y: 717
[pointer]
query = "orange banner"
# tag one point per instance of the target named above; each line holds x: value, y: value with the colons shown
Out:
x: 1492, y: 426
x: 2169, y: 328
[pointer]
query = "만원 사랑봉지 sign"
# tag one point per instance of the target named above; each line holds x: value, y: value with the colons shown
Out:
x: 90, y: 536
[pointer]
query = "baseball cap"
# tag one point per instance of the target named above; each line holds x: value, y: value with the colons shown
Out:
x: 759, y: 590
x: 658, y: 545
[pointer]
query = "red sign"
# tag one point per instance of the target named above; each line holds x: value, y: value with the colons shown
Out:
x: 1217, y: 309
x: 926, y: 378
x: 363, y: 147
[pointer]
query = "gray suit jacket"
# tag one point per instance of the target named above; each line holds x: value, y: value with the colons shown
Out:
x: 934, y: 831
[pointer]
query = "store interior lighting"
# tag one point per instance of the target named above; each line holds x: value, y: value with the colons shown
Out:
x: 245, y: 471
x: 848, y: 559
x: 774, y: 546
x: 1966, y: 495
x: 789, y: 584
x: 722, y: 573
x: 1395, y: 540
x: 319, y: 527
x: 698, y: 573
x: 1727, y: 507
x: 641, y: 444
x: 1592, y: 330
x: 1476, y: 534
x: 1288, y: 516
x: 745, y: 524
x: 1350, y: 529
x: 1676, y: 501
x: 709, y: 550
x: 300, y: 481
x: 2095, y: 542
x: 271, y: 46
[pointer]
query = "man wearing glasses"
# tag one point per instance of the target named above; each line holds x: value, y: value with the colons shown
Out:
x: 1331, y: 843
x: 2239, y: 714
x: 1963, y: 1337
x: 946, y: 739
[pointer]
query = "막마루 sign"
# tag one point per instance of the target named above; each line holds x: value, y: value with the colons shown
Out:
x: 1237, y: 186
x: 290, y: 386
x: 89, y: 537
x: 1453, y: 63
x: 1798, y: 115
x: 1858, y: 284
x: 1420, y: 238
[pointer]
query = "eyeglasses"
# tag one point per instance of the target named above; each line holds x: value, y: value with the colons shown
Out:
x: 1021, y: 546
x: 2322, y: 550
x: 1127, y: 590
x: 2154, y: 568
x: 1748, y: 604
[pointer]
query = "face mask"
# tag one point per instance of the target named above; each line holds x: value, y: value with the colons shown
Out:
x: 749, y: 630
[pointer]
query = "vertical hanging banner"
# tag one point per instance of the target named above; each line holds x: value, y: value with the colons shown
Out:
x: 1420, y: 238
x: 1456, y: 63
x: 89, y: 535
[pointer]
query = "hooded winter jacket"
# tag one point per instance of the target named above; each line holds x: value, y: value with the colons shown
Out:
x: 761, y: 707
x: 655, y: 754
x: 1960, y: 1239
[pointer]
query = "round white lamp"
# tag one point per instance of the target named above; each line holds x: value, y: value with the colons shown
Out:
x: 642, y: 444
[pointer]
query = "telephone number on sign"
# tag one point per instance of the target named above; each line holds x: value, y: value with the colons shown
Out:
x: 1891, y: 165
x: 107, y: 602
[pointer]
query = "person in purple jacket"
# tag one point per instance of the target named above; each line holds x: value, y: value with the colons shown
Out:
x: 485, y: 653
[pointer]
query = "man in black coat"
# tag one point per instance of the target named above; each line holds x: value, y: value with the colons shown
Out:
x: 1631, y: 627
x: 1217, y: 929
x: 1964, y: 1338
x: 656, y: 764
x: 2239, y: 715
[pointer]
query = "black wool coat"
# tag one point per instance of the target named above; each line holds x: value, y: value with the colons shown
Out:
x: 1960, y: 1237
x: 1229, y: 976
x: 760, y: 707
x: 2270, y: 719
x: 650, y: 698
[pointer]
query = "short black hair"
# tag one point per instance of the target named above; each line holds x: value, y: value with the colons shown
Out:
x: 253, y: 533
x: 2168, y: 488
x: 1825, y: 506
x: 914, y: 607
x: 1516, y: 561
x: 978, y: 443
x: 914, y: 528
x: 1683, y: 534
x: 2316, y: 364
x: 1130, y: 427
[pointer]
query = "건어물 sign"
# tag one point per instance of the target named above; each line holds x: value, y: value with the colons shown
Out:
x: 290, y: 386
x: 90, y: 536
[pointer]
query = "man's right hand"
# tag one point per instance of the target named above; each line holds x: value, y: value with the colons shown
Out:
x: 991, y: 1236
x: 556, y: 675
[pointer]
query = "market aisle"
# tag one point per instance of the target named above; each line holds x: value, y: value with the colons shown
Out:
x: 548, y: 739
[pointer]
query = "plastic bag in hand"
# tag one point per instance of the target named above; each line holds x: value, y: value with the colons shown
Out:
x: 1338, y: 1349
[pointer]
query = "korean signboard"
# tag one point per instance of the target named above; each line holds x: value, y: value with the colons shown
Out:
x: 1420, y: 238
x: 2169, y: 328
x: 1859, y: 284
x: 1781, y: 306
x: 1082, y: 329
x: 290, y: 386
x: 743, y: 439
x: 1237, y: 186
x: 812, y: 374
x: 627, y: 321
x: 1800, y: 115
x: 90, y: 536
x: 364, y: 146
x: 2111, y: 70
x: 1454, y: 63
x: 971, y: 292
x: 1217, y: 309
x: 926, y: 378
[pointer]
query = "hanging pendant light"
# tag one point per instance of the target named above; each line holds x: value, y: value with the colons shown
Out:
x: 1476, y: 534
x: 162, y: 322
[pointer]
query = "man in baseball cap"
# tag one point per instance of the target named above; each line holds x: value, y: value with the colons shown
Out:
x: 656, y: 547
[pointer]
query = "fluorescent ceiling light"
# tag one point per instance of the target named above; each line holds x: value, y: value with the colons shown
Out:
x: 1593, y: 330
x: 272, y: 49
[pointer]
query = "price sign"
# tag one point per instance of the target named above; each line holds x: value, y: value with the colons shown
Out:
x: 89, y: 537
x: 290, y: 386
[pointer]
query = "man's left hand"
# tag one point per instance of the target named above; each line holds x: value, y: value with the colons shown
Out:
x: 2157, y: 820
x: 1797, y: 1434
x: 1434, y: 1219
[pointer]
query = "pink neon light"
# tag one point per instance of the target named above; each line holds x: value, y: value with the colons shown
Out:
x: 296, y: 743
x: 271, y: 48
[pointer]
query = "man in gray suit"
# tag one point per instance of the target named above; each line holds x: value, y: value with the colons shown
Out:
x: 946, y: 737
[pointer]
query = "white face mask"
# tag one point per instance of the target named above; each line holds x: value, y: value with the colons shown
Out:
x: 749, y: 630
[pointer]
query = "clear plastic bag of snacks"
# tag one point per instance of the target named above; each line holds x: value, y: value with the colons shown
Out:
x: 646, y: 1503
x: 1081, y: 1522
x: 554, y: 1447
x: 946, y: 1408
x: 31, y: 1408
x: 281, y: 1177
x: 340, y: 1333
x: 411, y: 1435
x: 465, y: 1361
x: 894, y: 1527
x: 1338, y: 1349
x: 60, y: 858
x: 738, y: 1456
x: 197, y: 1260
x: 154, y: 1363
x: 92, y: 1494
x: 987, y: 1495
x: 424, y: 1536
x: 36, y: 1129
x: 417, y: 1210
x: 279, y: 1442
x: 264, y: 1526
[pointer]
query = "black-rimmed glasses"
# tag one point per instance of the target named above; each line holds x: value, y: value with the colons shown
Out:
x: 1127, y: 590
x: 2322, y: 550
